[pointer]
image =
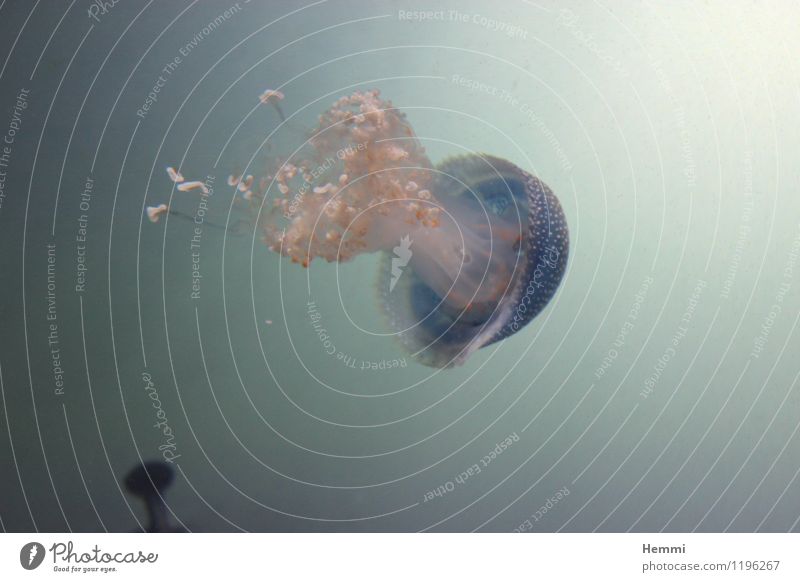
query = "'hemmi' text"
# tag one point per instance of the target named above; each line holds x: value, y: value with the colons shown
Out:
x: 648, y: 549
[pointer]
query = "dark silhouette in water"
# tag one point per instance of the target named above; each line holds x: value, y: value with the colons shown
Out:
x: 149, y: 481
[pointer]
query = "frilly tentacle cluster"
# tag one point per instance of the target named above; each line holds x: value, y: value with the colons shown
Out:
x: 363, y: 165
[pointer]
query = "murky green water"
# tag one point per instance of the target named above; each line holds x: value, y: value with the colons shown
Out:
x: 658, y: 390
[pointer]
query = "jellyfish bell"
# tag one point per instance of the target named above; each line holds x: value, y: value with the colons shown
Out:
x: 151, y: 478
x: 493, y: 264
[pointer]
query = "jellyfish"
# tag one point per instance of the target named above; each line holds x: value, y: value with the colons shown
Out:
x: 149, y: 481
x: 472, y: 249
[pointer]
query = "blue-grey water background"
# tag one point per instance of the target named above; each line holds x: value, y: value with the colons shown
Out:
x: 658, y: 390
